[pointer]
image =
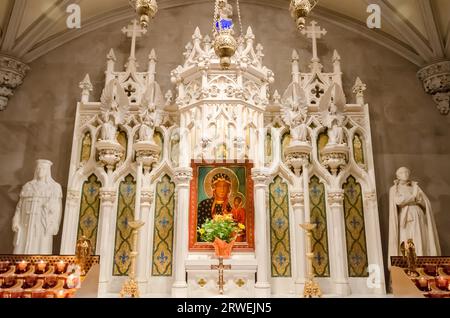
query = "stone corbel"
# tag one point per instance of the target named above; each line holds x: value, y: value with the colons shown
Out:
x: 12, y: 74
x: 183, y: 176
x: 336, y: 197
x: 436, y: 82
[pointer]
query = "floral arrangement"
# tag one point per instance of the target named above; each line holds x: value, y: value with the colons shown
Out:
x: 221, y: 226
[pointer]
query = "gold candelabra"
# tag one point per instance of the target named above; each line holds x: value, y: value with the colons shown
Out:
x: 131, y: 288
x: 312, y: 288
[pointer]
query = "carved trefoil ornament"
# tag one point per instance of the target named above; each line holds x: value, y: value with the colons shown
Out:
x: 12, y: 73
x: 436, y: 82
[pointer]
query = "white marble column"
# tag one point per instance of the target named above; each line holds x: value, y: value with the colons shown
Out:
x: 297, y: 201
x: 105, y: 239
x: 145, y: 242
x: 261, y: 179
x: 182, y: 180
x: 338, y: 248
x: 71, y: 220
x: 374, y: 248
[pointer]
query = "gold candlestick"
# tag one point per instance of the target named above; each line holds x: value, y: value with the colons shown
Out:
x: 131, y: 288
x: 221, y: 268
x: 312, y: 288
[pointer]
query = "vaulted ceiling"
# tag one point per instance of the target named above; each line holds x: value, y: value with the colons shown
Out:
x: 419, y: 30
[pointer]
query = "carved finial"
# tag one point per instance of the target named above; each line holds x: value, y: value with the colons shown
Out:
x: 276, y: 97
x: 359, y: 89
x: 152, y: 56
x: 207, y: 39
x: 197, y: 34
x: 250, y: 35
x: 111, y: 56
x: 86, y: 87
x: 336, y: 56
x: 295, y: 56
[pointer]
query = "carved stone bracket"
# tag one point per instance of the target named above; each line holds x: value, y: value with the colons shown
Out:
x: 147, y: 197
x: 12, y: 73
x: 336, y: 198
x: 183, y: 176
x: 436, y: 82
x: 73, y: 195
x: 261, y: 177
x: 107, y: 196
x: 297, y: 198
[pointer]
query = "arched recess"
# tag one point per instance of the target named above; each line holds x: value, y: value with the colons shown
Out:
x: 268, y: 148
x: 359, y: 153
x: 162, y: 255
x: 280, y: 245
x: 318, y: 213
x: 89, y: 210
x: 125, y: 213
x: 86, y: 147
x: 355, y: 229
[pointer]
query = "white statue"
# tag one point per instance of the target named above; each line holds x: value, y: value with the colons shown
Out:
x: 147, y: 130
x: 114, y: 108
x: 332, y: 114
x: 411, y: 217
x: 109, y: 130
x: 38, y: 213
x: 335, y: 132
x: 294, y: 110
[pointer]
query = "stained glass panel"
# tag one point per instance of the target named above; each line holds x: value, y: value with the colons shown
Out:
x: 125, y: 214
x: 279, y: 229
x: 321, y: 263
x: 89, y: 210
x: 355, y: 229
x: 163, y: 228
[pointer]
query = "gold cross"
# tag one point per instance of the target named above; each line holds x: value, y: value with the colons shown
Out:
x: 221, y: 268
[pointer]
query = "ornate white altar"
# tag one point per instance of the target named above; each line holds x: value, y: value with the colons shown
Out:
x: 132, y: 154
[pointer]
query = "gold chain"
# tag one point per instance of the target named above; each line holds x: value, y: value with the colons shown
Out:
x: 239, y: 16
x: 216, y: 18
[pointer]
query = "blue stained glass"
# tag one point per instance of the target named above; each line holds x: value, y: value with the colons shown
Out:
x: 225, y: 24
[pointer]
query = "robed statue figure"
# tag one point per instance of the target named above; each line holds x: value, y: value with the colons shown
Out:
x: 411, y: 218
x: 38, y: 213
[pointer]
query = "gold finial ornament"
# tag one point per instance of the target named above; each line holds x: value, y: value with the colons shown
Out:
x: 83, y: 252
x: 300, y: 9
x: 146, y: 9
x: 225, y: 46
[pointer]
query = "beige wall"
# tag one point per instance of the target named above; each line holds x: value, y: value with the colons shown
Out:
x: 406, y: 127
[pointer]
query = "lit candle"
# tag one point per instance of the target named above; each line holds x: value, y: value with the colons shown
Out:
x: 41, y: 266
x: 61, y: 294
x: 22, y: 266
x: 442, y: 282
x: 60, y: 266
x: 423, y: 283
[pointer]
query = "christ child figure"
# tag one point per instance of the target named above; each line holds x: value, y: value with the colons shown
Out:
x: 239, y: 216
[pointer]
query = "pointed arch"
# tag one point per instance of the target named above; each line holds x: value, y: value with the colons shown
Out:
x: 125, y: 214
x: 318, y: 213
x: 355, y: 229
x: 163, y: 227
x: 89, y: 213
x: 279, y: 228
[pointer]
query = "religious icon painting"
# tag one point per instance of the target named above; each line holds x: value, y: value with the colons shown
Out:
x: 221, y: 189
